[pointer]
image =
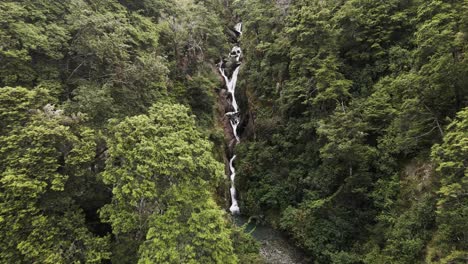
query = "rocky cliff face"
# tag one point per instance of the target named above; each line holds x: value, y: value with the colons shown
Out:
x: 223, y: 107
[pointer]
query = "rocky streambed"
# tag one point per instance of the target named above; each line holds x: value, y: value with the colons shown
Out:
x: 275, y: 248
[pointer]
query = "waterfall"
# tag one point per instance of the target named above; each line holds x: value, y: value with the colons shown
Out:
x: 234, y: 114
x: 234, y: 207
x: 231, y: 86
x: 238, y: 28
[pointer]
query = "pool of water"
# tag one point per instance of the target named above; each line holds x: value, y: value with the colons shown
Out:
x: 275, y: 247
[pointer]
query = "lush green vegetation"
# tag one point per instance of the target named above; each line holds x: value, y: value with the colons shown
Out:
x: 106, y: 116
x: 359, y: 145
x: 354, y: 141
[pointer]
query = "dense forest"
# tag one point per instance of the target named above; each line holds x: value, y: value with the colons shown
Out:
x: 107, y: 133
x: 353, y: 128
x: 360, y: 144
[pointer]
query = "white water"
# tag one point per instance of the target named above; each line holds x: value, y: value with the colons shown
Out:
x: 238, y: 28
x: 234, y: 123
x: 274, y: 247
x: 236, y: 53
x: 234, y: 116
x: 231, y: 86
x: 234, y: 207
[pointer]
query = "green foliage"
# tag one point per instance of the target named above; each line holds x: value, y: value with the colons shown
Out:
x: 191, y: 230
x: 42, y: 154
x: 349, y: 96
x: 245, y: 246
x: 28, y: 34
x: 160, y: 168
x: 87, y: 165
x: 109, y: 61
x: 15, y: 104
x: 358, y: 147
x: 114, y: 55
x: 450, y: 239
x: 148, y: 154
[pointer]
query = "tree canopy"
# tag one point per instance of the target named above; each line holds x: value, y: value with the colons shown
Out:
x: 353, y: 129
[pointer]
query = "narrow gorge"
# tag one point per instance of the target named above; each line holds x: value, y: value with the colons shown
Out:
x: 274, y: 246
x: 229, y: 69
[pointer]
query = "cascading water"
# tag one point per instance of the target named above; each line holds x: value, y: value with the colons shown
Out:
x: 238, y: 28
x: 274, y: 247
x: 233, y: 114
x: 234, y: 206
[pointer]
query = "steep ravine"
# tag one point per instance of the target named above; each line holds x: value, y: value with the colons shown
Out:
x: 275, y: 247
x: 229, y: 70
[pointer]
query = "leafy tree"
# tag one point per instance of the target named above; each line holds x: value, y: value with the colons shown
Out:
x: 149, y: 156
x: 29, y: 38
x: 450, y: 239
x: 42, y: 153
x: 191, y: 230
x: 115, y: 54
